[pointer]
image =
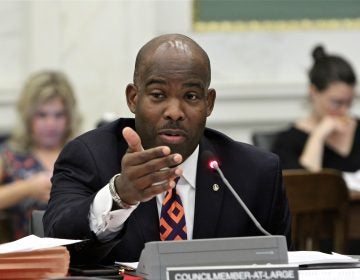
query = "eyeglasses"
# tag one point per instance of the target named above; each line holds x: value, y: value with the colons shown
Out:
x: 337, y: 103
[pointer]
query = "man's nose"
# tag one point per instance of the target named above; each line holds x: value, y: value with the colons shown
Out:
x: 174, y: 110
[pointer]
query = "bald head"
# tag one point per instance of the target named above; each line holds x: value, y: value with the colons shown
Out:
x: 170, y: 43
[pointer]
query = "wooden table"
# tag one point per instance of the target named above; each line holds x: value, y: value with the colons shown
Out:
x: 354, y: 215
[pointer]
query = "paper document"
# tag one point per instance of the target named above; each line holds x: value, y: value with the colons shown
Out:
x: 35, y: 264
x: 127, y: 265
x: 33, y: 242
x: 315, y: 257
x: 330, y: 274
x: 352, y: 180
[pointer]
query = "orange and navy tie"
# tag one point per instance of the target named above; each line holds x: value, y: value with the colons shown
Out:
x: 172, y: 217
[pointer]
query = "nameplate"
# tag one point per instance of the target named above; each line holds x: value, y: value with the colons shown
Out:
x: 241, y: 272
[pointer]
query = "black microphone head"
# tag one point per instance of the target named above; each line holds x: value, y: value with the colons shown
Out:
x: 208, y: 158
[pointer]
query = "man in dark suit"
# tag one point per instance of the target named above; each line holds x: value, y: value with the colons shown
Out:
x: 109, y: 184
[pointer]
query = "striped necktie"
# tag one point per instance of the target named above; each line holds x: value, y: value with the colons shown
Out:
x: 172, y: 217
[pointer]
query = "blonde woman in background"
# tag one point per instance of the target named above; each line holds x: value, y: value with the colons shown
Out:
x: 48, y: 119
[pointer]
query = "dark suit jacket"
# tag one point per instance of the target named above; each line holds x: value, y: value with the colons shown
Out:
x: 87, y: 163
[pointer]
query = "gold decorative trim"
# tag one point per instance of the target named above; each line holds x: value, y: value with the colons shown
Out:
x: 281, y: 25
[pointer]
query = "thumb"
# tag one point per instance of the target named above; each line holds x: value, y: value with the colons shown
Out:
x: 133, y: 139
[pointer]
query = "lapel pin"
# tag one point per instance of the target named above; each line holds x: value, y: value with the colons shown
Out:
x: 215, y: 187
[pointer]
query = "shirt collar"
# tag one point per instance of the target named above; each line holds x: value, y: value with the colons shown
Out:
x: 189, y: 167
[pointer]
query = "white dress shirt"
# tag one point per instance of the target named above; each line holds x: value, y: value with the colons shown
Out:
x: 106, y: 223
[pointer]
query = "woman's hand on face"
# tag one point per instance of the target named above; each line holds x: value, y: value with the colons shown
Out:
x: 333, y: 124
x: 40, y: 186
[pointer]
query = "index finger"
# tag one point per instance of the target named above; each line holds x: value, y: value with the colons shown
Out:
x: 133, y: 139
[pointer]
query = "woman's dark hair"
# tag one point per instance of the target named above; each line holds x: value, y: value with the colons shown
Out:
x: 328, y: 69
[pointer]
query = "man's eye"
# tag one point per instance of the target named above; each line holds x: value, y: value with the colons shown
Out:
x: 157, y: 95
x: 191, y: 96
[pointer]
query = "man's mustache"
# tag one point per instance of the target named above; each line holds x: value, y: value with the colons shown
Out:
x: 173, y: 125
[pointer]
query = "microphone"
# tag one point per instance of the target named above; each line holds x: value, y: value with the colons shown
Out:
x: 213, y: 164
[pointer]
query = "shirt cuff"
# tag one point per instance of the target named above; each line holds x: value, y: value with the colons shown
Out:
x: 105, y: 223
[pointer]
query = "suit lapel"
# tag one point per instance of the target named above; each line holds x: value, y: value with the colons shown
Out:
x: 208, y: 199
x: 148, y: 219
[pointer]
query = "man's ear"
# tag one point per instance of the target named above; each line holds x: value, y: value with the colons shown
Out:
x: 131, y: 97
x: 210, y: 101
